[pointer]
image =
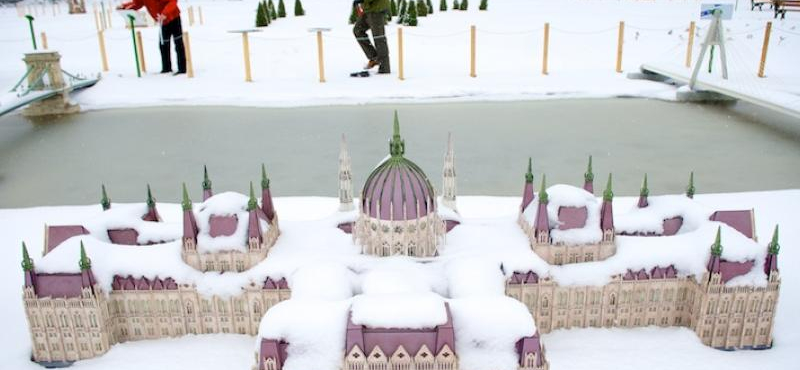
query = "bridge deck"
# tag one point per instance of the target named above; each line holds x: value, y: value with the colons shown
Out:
x: 10, y: 101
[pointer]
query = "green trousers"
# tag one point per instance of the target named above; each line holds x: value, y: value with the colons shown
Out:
x: 380, y: 51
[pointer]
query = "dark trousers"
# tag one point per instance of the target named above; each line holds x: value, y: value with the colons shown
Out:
x: 172, y: 30
x: 379, y: 52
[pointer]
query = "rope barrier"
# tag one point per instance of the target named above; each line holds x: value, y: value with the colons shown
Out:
x: 786, y: 31
x: 585, y: 32
x: 511, y: 33
x: 437, y: 36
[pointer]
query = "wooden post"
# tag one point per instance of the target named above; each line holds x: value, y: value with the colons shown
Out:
x: 690, y: 45
x: 764, y: 48
x: 620, y: 41
x: 108, y: 13
x: 141, y: 50
x: 246, y: 46
x: 191, y: 16
x: 97, y: 21
x: 546, y: 46
x: 103, y: 57
x: 44, y: 40
x: 188, y: 48
x: 320, y: 57
x: 400, y: 52
x: 472, y: 51
x: 200, y: 14
x: 54, y: 9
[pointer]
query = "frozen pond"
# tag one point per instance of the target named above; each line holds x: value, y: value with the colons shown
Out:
x: 64, y: 161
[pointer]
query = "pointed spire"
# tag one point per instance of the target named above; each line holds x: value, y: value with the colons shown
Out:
x: 85, y: 263
x: 206, y: 181
x: 716, y: 248
x: 644, y: 192
x: 151, y: 202
x: 397, y: 145
x: 690, y: 189
x: 27, y: 262
x: 104, y: 200
x: 608, y: 194
x: 449, y: 175
x: 589, y: 175
x: 543, y: 197
x: 529, y: 174
x: 345, y: 178
x: 264, y: 178
x: 773, y: 246
x: 252, y: 203
x: 527, y: 190
x: 186, y: 203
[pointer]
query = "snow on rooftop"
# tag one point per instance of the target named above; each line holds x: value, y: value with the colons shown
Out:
x: 399, y: 310
x: 569, y: 196
x: 328, y: 281
x: 228, y: 204
x: 650, y: 219
x: 129, y: 216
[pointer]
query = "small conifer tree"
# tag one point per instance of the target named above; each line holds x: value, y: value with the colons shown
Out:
x: 484, y: 5
x: 393, y: 8
x: 298, y: 9
x: 422, y: 8
x: 270, y: 6
x: 464, y: 4
x: 456, y: 5
x: 443, y: 5
x: 430, y: 6
x: 282, y: 9
x: 401, y: 19
x: 261, y: 16
x: 411, y: 19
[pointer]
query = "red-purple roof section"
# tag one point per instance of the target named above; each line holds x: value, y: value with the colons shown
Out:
x: 399, y: 190
x: 190, y: 228
x: 123, y: 236
x: 142, y: 283
x: 657, y: 272
x: 222, y: 225
x: 59, y: 285
x: 542, y: 223
x: 266, y: 204
x: 771, y: 263
x: 152, y: 215
x: 607, y: 216
x: 207, y: 193
x: 271, y: 283
x: 588, y: 186
x: 347, y: 227
x: 528, y: 345
x: 450, y: 225
x: 253, y: 226
x: 529, y: 277
x: 730, y: 270
x: 275, y: 349
x: 527, y: 195
x: 411, y: 339
x: 572, y: 217
x: 55, y: 235
x: 672, y: 225
x: 741, y: 220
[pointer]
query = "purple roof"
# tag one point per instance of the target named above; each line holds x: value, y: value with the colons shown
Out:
x: 730, y: 270
x: 642, y: 201
x: 411, y: 339
x: 275, y: 349
x: 270, y: 283
x: 529, y: 277
x: 207, y: 193
x: 607, y: 216
x: 672, y: 225
x: 142, y: 283
x: 222, y: 225
x: 742, y: 221
x: 399, y: 190
x: 542, y: 223
x: 347, y: 227
x: 771, y: 263
x: 450, y: 225
x: 55, y: 235
x: 572, y: 217
x: 253, y: 226
x: 527, y: 195
x: 190, y: 228
x: 266, y: 204
x: 151, y: 215
x: 528, y: 345
x: 123, y: 236
x: 59, y: 285
x: 588, y: 186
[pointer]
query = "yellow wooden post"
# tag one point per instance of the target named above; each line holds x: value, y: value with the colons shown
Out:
x: 44, y: 40
x: 546, y: 46
x: 54, y: 9
x: 690, y: 45
x: 246, y: 46
x: 320, y: 57
x: 191, y: 16
x: 141, y: 50
x: 764, y: 48
x: 108, y: 13
x: 188, y: 48
x: 200, y: 14
x: 472, y: 51
x: 400, y: 52
x: 620, y: 41
x: 103, y: 57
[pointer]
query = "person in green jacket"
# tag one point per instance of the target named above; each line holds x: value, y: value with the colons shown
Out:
x: 372, y: 16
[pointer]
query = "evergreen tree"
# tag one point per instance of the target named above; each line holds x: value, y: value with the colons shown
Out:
x: 456, y: 5
x: 443, y: 6
x: 261, y: 16
x: 411, y: 19
x: 401, y: 19
x: 484, y: 5
x: 422, y: 8
x: 298, y: 9
x: 281, y: 9
x: 269, y: 15
x: 353, y: 15
x: 464, y: 4
x: 271, y: 11
x: 430, y: 6
x: 393, y: 8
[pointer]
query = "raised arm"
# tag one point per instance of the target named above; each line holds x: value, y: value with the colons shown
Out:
x: 132, y: 5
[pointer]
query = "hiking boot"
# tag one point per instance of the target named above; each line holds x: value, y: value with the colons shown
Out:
x: 372, y: 64
x: 179, y: 73
x: 165, y: 71
x: 384, y: 71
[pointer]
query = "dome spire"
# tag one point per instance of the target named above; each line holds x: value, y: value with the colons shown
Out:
x: 397, y: 147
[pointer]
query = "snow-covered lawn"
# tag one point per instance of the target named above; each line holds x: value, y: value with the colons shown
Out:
x: 484, y: 218
x: 583, y: 42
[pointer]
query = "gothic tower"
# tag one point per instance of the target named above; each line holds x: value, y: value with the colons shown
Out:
x: 449, y: 176
x: 345, y: 179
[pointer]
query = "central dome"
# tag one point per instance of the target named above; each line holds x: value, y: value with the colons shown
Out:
x: 397, y: 189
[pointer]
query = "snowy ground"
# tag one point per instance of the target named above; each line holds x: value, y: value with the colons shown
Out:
x: 483, y: 216
x: 583, y: 38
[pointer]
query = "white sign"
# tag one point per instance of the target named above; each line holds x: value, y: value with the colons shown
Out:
x: 139, y: 18
x: 707, y: 11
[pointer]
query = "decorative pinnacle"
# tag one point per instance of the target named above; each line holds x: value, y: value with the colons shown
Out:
x: 27, y: 262
x: 186, y: 203
x: 690, y: 189
x: 773, y: 246
x: 104, y: 201
x: 543, y: 197
x: 589, y: 175
x: 397, y: 147
x: 644, y: 191
x: 85, y: 263
x: 252, y: 204
x: 151, y: 202
x: 264, y: 178
x: 608, y: 194
x: 529, y: 174
x: 716, y: 248
x: 206, y: 181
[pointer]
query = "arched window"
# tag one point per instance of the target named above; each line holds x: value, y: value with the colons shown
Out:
x: 93, y: 320
x: 612, y: 300
x: 256, y: 309
x: 189, y: 308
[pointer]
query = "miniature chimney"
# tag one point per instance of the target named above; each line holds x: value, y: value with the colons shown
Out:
x: 266, y: 196
x: 527, y: 191
x: 207, y: 192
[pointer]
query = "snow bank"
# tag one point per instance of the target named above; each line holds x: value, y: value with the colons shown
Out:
x: 129, y: 216
x: 328, y: 281
x: 650, y: 219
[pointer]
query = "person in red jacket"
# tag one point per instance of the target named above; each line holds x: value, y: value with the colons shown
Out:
x: 167, y: 14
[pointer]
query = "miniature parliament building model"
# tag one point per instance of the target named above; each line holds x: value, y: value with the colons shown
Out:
x: 78, y: 312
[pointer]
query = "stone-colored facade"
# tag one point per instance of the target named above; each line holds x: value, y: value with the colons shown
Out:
x: 416, y: 238
x: 231, y: 260
x: 44, y: 73
x: 424, y: 359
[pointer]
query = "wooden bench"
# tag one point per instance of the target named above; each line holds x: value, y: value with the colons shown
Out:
x: 783, y: 6
x: 759, y: 4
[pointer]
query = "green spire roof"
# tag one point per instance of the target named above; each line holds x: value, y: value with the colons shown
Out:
x: 104, y: 201
x: 608, y: 194
x: 27, y: 262
x: 85, y: 263
x: 543, y: 197
x: 186, y: 203
x: 397, y: 147
x: 690, y: 189
x: 150, y: 201
x: 529, y: 174
x: 773, y: 246
x: 644, y: 191
x: 716, y: 248
x: 252, y: 203
x: 264, y: 178
x: 589, y: 175
x: 206, y: 181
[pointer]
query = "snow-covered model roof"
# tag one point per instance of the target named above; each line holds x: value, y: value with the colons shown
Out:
x: 573, y: 214
x: 223, y: 221
x: 650, y: 220
x: 123, y: 217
